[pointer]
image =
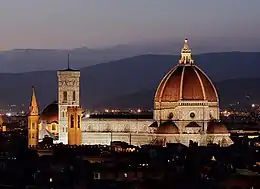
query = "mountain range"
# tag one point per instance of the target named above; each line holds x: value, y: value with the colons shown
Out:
x: 28, y: 60
x: 131, y: 82
x: 239, y: 92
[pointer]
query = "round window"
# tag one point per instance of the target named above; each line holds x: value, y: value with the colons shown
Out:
x: 170, y: 116
x: 192, y: 114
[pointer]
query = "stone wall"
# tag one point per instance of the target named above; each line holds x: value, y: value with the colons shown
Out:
x: 117, y: 125
x: 137, y: 139
x: 105, y: 138
x: 182, y: 110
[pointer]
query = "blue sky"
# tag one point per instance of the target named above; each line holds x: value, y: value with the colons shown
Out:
x: 101, y: 23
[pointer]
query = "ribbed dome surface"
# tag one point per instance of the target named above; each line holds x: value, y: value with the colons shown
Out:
x: 50, y: 113
x: 186, y: 82
x: 217, y: 128
x: 168, y: 127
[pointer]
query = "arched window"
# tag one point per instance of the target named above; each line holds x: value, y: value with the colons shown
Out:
x: 78, y: 121
x: 65, y: 96
x: 53, y: 127
x: 71, y: 121
x: 33, y: 125
x: 74, y: 96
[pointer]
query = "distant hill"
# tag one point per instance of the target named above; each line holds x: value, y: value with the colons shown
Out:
x: 102, y: 83
x: 243, y: 91
x: 27, y: 60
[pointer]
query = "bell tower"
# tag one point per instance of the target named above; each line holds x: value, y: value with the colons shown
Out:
x: 33, y: 121
x: 68, y: 96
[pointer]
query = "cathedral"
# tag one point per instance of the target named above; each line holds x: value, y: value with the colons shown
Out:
x: 186, y: 107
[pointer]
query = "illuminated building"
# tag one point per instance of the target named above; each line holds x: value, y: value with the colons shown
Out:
x: 33, y: 121
x: 186, y: 107
x: 2, y: 127
x: 68, y: 98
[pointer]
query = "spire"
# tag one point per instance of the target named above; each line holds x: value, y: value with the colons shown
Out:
x: 68, y: 61
x: 186, y: 54
x: 33, y: 106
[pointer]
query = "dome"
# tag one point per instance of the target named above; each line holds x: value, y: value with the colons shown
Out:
x: 168, y: 127
x: 50, y: 113
x: 186, y: 81
x: 217, y: 128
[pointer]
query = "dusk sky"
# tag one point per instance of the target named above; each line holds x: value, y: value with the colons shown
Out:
x: 102, y: 23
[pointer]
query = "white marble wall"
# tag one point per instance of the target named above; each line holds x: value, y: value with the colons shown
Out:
x: 117, y: 125
x: 105, y: 138
x: 63, y: 124
x: 203, y: 110
x: 93, y: 138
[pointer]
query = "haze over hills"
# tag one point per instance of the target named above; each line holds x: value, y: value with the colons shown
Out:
x: 103, y: 83
x: 27, y: 60
x: 242, y: 92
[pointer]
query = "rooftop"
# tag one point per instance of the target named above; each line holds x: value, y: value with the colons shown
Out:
x: 70, y: 70
x: 122, y: 116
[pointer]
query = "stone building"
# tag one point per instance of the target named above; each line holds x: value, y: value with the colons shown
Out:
x: 186, y: 107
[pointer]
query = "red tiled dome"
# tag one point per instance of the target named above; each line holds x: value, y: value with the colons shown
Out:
x: 186, y: 82
x: 168, y: 127
x: 50, y: 113
x: 217, y: 128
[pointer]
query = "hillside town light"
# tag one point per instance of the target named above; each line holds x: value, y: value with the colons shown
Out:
x: 8, y: 114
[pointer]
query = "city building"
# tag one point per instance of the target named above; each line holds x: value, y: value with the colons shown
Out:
x: 186, y: 107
